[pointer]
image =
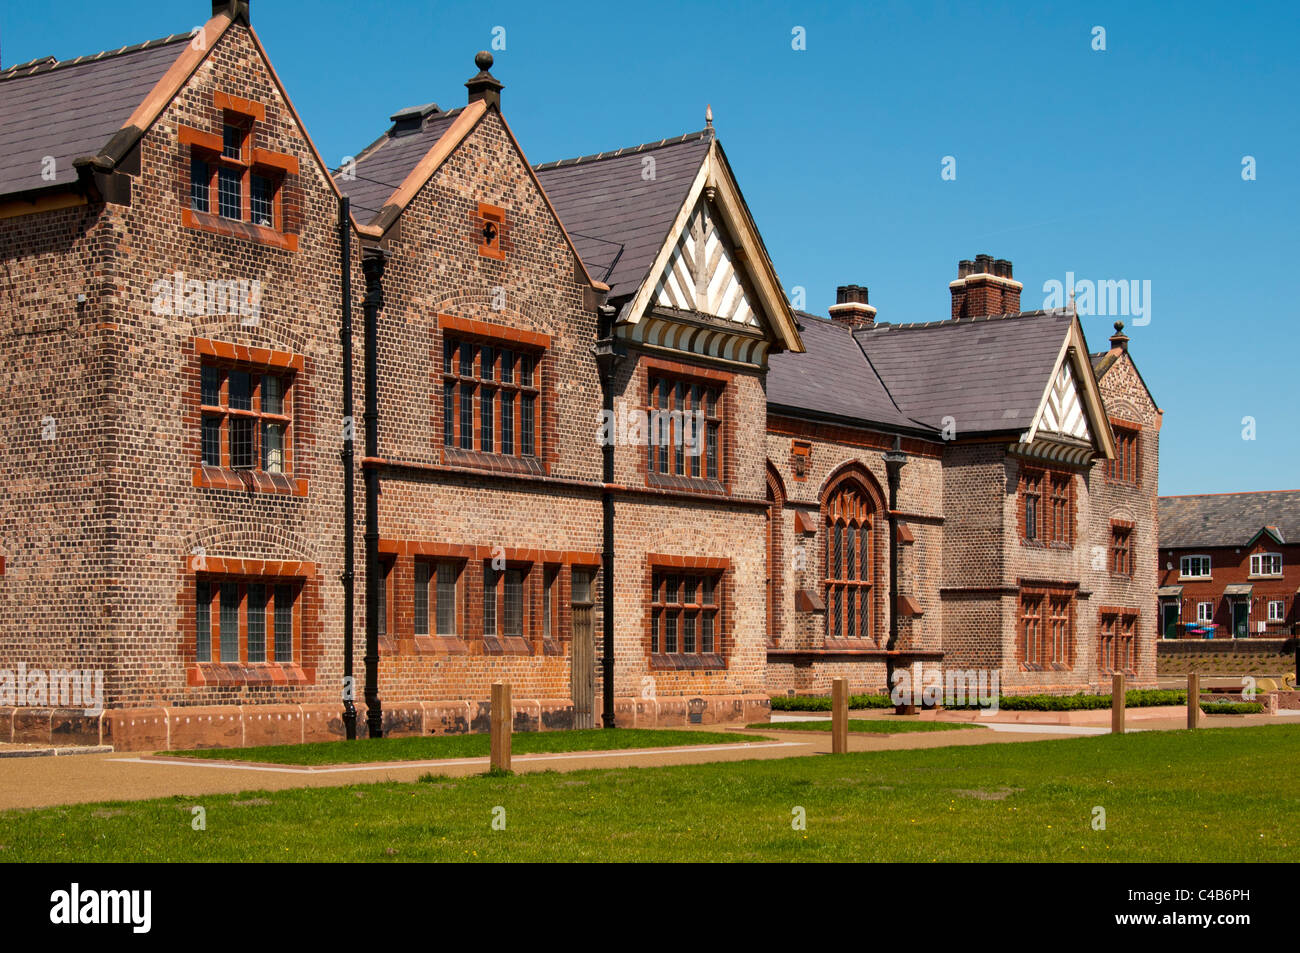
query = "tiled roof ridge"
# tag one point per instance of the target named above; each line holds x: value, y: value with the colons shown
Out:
x: 627, y: 150
x: 47, y: 64
x: 955, y: 322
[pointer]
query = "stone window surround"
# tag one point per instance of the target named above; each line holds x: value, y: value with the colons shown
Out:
x: 253, y: 359
x: 718, y: 566
x: 275, y: 165
x: 306, y: 629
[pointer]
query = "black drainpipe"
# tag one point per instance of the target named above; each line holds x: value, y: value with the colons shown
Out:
x: 607, y: 361
x: 372, y: 265
x: 349, y: 475
x: 895, y: 460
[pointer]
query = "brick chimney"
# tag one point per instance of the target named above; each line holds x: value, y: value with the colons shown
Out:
x: 484, y: 85
x: 233, y: 8
x: 850, y: 309
x: 984, y: 287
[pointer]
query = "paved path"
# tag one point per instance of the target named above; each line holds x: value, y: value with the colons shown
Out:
x: 40, y: 782
x: 43, y: 781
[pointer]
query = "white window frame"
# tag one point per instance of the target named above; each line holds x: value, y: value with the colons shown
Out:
x: 1205, y: 612
x: 1280, y: 614
x: 1257, y: 560
x: 1183, y: 564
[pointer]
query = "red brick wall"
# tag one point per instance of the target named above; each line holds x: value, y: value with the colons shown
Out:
x: 54, y: 500
x: 1230, y: 565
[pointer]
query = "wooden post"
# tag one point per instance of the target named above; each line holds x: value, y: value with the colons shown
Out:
x: 501, y: 718
x: 1193, y: 700
x: 1117, y: 704
x: 839, y: 715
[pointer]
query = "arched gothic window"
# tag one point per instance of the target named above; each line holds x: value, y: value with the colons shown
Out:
x: 849, y: 561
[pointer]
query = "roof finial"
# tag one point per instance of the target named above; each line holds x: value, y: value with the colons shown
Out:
x: 1071, y: 309
x: 708, y: 115
x: 1119, y: 340
x: 484, y: 86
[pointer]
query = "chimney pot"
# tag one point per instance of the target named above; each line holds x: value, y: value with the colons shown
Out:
x: 855, y: 294
x: 984, y: 287
x: 851, y: 309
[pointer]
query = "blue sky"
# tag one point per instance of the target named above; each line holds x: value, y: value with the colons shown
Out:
x: 1123, y: 164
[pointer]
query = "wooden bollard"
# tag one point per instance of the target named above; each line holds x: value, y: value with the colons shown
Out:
x: 839, y: 715
x: 1193, y: 700
x: 1117, y: 704
x: 501, y: 718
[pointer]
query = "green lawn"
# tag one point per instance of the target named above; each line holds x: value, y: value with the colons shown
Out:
x: 1222, y: 795
x: 872, y: 727
x: 465, y: 746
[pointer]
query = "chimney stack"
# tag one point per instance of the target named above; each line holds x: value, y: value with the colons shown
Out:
x: 232, y: 8
x: 484, y: 85
x: 850, y: 309
x: 984, y: 287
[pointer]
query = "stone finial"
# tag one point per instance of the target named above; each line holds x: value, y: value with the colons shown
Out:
x: 1119, y: 340
x: 484, y: 85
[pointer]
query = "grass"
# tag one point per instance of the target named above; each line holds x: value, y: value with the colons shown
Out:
x: 874, y: 727
x: 1222, y: 795
x: 464, y: 746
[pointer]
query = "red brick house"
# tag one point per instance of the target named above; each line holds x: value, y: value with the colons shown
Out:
x: 479, y: 419
x: 1230, y: 561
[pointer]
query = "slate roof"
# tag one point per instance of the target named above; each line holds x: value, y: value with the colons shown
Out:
x: 72, y: 108
x: 833, y: 377
x: 1227, y: 519
x: 989, y: 373
x: 617, y: 218
x: 384, y: 164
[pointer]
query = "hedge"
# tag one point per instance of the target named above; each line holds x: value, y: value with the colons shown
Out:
x: 1138, y: 698
x: 1231, y: 708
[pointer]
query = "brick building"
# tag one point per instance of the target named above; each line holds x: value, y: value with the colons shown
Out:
x: 1230, y: 561
x: 565, y: 376
x: 1025, y: 512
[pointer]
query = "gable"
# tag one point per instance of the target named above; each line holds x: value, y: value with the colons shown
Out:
x: 1064, y: 412
x: 1070, y: 424
x: 702, y: 274
x: 713, y: 257
x: 425, y: 156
